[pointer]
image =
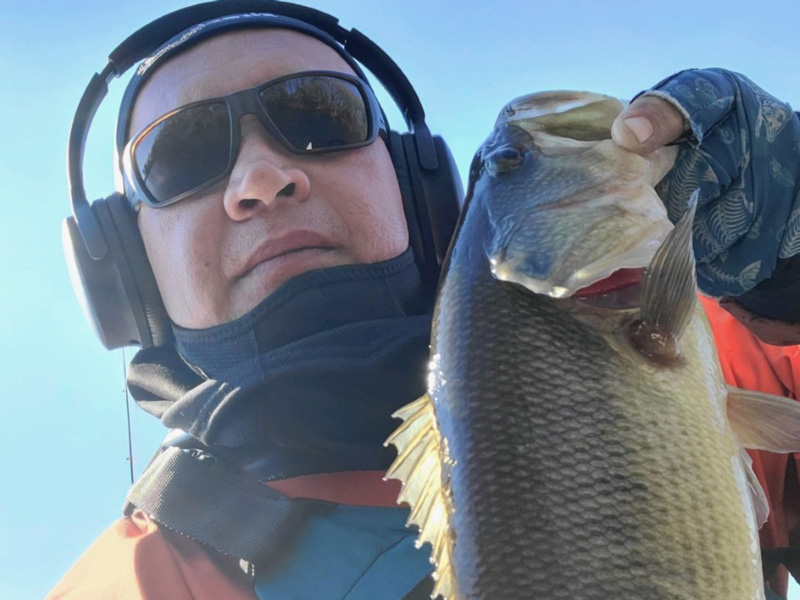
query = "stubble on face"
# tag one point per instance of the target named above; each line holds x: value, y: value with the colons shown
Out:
x: 198, y: 246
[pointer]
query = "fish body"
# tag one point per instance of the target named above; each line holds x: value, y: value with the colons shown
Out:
x: 596, y: 473
x: 556, y: 454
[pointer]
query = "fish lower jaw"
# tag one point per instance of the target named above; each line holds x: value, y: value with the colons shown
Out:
x: 620, y: 300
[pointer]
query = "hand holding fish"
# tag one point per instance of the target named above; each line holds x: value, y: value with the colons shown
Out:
x: 741, y: 150
x: 647, y: 124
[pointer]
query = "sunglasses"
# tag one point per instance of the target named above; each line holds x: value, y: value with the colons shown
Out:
x: 193, y: 147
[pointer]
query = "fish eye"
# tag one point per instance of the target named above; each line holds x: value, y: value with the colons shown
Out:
x: 510, y: 154
x: 503, y: 160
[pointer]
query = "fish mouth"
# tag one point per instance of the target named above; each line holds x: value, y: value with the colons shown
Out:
x: 619, y: 279
x: 618, y: 291
x: 600, y: 278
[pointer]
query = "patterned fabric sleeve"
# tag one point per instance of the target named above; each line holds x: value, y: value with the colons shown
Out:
x: 743, y: 153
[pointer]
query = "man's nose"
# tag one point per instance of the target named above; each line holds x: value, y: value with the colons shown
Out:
x: 262, y: 175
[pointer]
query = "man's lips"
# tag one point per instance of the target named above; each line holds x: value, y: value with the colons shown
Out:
x: 616, y: 281
x: 283, y: 245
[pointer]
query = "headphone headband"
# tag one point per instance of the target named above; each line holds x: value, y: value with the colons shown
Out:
x: 145, y: 41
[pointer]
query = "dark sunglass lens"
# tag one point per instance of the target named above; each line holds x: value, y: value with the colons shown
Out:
x: 184, y: 151
x: 317, y: 111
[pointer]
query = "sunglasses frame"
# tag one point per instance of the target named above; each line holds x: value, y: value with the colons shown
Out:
x: 239, y: 104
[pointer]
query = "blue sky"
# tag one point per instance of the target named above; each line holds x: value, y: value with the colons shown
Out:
x: 62, y: 420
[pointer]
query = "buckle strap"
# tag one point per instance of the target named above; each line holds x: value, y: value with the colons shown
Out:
x: 196, y: 494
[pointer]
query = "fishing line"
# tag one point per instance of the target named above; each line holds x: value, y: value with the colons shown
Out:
x: 127, y: 411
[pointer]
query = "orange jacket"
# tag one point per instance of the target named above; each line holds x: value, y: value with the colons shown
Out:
x: 749, y: 363
x: 135, y: 559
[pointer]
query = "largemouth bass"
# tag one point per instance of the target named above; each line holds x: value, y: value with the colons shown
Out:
x: 578, y: 440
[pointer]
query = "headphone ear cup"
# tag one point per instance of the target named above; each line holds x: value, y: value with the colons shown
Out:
x: 429, y: 266
x: 118, y: 293
x: 398, y: 155
x: 432, y: 200
x: 148, y: 307
x: 442, y: 198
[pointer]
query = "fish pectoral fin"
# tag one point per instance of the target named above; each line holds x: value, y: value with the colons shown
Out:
x: 669, y: 285
x: 668, y: 292
x: 764, y: 421
x: 757, y: 495
x: 420, y: 465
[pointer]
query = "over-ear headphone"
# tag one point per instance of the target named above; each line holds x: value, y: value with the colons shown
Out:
x: 108, y: 264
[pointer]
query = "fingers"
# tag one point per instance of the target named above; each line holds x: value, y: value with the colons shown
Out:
x: 647, y: 124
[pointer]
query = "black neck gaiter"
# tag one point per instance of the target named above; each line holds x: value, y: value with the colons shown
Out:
x: 307, y: 381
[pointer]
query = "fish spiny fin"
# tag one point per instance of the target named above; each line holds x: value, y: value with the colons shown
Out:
x: 422, y: 459
x: 669, y: 285
x: 757, y: 495
x: 763, y: 421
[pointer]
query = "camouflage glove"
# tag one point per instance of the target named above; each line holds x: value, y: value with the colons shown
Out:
x: 741, y: 147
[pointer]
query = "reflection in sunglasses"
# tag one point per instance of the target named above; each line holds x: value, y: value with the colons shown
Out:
x: 186, y: 149
x: 316, y: 112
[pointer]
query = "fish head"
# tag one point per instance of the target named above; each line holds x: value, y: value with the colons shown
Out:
x: 567, y: 207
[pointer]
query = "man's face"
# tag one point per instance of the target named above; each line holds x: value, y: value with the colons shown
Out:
x: 218, y: 254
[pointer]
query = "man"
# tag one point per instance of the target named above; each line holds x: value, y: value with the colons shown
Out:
x: 301, y: 320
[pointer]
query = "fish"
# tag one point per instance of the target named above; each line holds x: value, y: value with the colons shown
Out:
x: 577, y: 439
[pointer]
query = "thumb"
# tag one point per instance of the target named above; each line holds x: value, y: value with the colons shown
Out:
x: 648, y: 123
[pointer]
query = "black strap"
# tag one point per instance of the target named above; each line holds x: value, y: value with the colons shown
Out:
x: 199, y: 496
x: 770, y: 595
x: 772, y: 558
x: 422, y: 591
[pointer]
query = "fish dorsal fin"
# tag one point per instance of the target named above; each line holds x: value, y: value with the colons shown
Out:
x: 668, y: 292
x: 420, y: 465
x: 764, y: 421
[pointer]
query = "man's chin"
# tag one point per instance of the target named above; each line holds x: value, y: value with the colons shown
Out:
x: 270, y: 275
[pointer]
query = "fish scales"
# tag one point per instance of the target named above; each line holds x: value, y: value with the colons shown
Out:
x: 573, y: 467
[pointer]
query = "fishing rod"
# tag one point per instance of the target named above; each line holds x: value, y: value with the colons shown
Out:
x: 127, y: 412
